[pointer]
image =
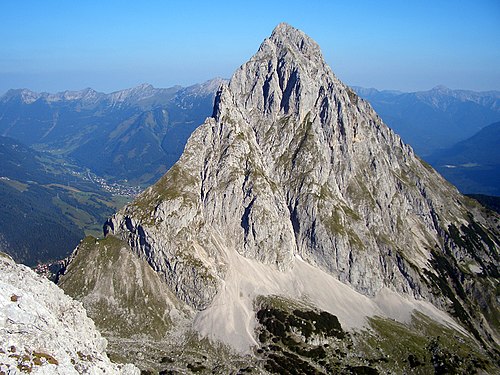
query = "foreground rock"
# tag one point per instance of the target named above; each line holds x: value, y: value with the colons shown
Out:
x: 43, y: 331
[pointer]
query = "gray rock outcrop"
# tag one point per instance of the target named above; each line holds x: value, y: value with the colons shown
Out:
x: 293, y: 164
x: 43, y: 331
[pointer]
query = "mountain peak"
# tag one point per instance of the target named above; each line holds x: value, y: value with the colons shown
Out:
x: 441, y: 88
x: 282, y: 78
x: 24, y: 95
x: 286, y: 39
x: 283, y: 27
x: 88, y: 95
x: 206, y: 88
x: 284, y: 31
x: 140, y: 92
x: 284, y: 34
x: 295, y: 172
x: 143, y: 86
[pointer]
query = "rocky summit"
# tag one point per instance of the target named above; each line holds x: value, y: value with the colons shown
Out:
x: 298, y: 231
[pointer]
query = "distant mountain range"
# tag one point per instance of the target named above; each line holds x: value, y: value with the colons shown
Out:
x: 435, y: 119
x: 472, y: 164
x: 62, y: 155
x: 135, y: 134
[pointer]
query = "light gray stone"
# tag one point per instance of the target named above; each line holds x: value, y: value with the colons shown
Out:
x: 43, y: 331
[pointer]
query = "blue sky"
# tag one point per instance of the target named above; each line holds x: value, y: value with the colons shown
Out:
x: 110, y: 45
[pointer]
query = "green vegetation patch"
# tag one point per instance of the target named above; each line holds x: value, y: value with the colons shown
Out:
x: 488, y: 201
x: 421, y: 347
x: 334, y: 223
x: 358, y: 192
x: 173, y: 185
x: 121, y: 293
x: 296, y: 338
x: 91, y: 254
x: 18, y: 185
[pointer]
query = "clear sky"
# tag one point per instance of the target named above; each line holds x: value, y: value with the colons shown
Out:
x: 410, y: 45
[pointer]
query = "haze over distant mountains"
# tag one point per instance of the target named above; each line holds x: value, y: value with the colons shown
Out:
x: 134, y: 134
x: 437, y: 118
x: 474, y: 163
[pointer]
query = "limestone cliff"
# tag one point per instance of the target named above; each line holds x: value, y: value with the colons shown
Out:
x: 295, y: 187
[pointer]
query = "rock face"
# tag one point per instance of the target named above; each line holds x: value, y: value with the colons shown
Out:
x: 43, y: 331
x: 296, y: 187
